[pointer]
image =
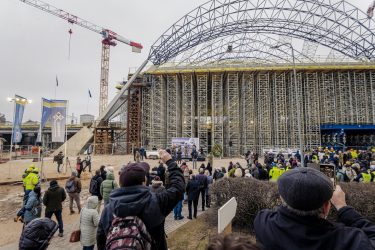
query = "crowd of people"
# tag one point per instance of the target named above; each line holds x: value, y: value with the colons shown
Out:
x: 143, y: 197
x: 350, y: 165
x: 134, y: 210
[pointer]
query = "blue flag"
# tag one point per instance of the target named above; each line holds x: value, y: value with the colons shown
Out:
x: 18, y: 115
x: 56, y: 111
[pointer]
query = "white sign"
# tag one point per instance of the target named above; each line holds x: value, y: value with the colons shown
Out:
x: 226, y: 214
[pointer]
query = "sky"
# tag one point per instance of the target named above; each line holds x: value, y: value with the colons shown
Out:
x: 34, y: 48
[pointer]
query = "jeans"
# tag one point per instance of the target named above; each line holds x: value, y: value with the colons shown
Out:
x: 195, y: 204
x: 74, y: 197
x: 89, y: 247
x: 194, y: 163
x: 58, y: 215
x: 177, y: 210
x: 203, y: 194
x: 58, y: 167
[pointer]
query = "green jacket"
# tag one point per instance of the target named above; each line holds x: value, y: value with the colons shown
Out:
x: 53, y: 198
x: 108, y: 185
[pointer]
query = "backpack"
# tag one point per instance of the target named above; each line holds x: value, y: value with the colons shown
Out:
x: 70, y: 186
x: 93, y: 186
x: 128, y: 233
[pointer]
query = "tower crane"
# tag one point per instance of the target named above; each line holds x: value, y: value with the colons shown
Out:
x: 109, y: 39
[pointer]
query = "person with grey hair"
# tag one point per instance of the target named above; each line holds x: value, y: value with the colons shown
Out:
x: 73, y: 187
x: 301, y: 221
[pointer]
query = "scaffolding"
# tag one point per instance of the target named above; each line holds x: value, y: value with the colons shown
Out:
x: 248, y: 138
x: 343, y: 99
x: 147, y: 113
x: 294, y: 99
x: 217, y: 110
x: 202, y: 108
x: 134, y: 117
x: 232, y: 135
x: 327, y: 94
x: 159, y: 128
x: 257, y: 110
x: 264, y: 112
x: 311, y: 110
x: 280, y: 110
x: 173, y: 108
x: 188, y: 106
x: 361, y: 101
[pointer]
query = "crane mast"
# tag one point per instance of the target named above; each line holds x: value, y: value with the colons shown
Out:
x: 109, y: 39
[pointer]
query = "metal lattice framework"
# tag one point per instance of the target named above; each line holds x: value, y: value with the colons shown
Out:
x: 247, y: 46
x: 339, y: 26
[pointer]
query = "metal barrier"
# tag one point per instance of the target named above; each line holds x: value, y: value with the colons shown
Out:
x: 19, y: 152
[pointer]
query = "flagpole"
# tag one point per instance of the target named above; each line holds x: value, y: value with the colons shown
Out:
x: 11, y: 139
x: 66, y: 135
x: 87, y: 107
x: 41, y: 143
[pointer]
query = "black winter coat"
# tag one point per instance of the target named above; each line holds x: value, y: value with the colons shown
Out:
x: 192, y: 190
x: 282, y: 229
x: 99, y: 181
x: 53, y: 198
x: 37, y: 234
x: 151, y: 208
x: 202, y: 179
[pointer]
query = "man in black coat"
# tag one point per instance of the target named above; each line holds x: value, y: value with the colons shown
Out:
x: 300, y: 223
x: 134, y: 198
x: 95, y: 183
x: 192, y: 190
x: 203, y: 184
x: 53, y: 199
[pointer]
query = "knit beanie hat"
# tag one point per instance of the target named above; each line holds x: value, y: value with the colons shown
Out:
x: 305, y: 189
x: 133, y: 174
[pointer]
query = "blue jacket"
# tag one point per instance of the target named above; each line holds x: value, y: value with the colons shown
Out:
x: 32, y: 202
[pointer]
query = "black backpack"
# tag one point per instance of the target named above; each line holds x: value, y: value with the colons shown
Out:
x: 94, y: 186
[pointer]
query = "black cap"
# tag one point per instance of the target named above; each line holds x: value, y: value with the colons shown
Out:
x: 305, y: 189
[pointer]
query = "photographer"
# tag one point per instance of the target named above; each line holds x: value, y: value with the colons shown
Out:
x: 300, y: 223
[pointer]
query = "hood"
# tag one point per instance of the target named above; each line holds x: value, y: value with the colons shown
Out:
x: 53, y: 188
x: 127, y: 201
x: 110, y: 176
x: 156, y: 184
x: 92, y: 202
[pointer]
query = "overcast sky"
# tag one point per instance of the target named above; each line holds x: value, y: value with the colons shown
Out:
x: 34, y: 48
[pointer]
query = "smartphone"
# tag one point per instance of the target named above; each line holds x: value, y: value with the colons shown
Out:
x: 330, y: 171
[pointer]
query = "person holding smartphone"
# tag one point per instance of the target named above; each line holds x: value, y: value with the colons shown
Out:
x: 301, y: 221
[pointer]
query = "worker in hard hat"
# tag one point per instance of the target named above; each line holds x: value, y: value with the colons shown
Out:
x: 30, y: 179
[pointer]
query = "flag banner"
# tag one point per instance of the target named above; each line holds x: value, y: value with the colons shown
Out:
x: 46, y: 114
x: 90, y: 94
x: 57, y: 82
x: 58, y: 119
x: 18, y: 115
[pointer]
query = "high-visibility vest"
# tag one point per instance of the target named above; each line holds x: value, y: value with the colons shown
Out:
x: 366, y: 177
x: 274, y: 174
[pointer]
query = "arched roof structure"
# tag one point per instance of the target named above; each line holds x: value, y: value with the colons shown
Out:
x: 259, y: 47
x: 337, y: 25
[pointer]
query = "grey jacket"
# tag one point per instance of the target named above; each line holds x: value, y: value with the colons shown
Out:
x: 89, y: 222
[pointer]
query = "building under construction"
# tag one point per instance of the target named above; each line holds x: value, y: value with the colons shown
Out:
x: 224, y: 73
x: 254, y: 108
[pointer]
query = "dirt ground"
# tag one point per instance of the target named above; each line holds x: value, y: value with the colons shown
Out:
x: 11, y: 195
